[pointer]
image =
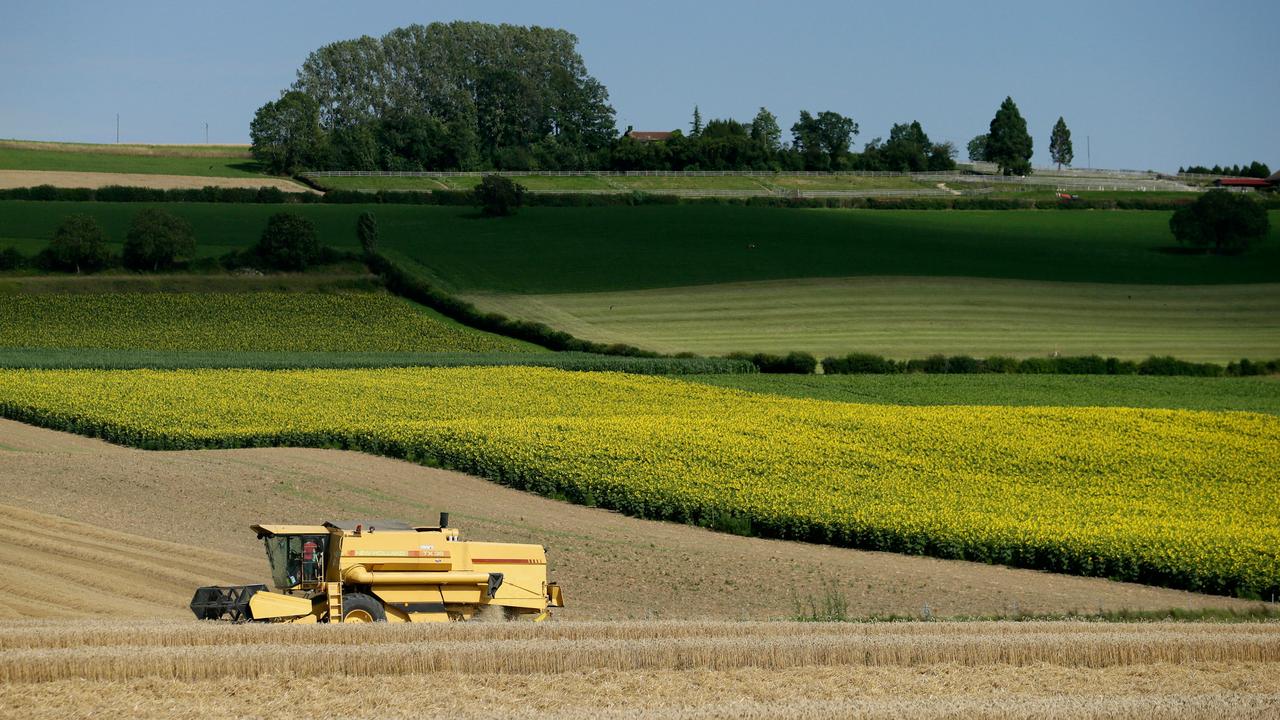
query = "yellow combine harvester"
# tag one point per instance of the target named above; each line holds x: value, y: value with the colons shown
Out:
x: 375, y: 571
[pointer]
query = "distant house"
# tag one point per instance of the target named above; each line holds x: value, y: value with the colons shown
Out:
x: 1240, y: 183
x: 646, y: 136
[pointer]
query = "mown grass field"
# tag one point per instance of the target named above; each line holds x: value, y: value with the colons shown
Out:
x: 246, y: 321
x: 1260, y: 395
x: 715, y: 279
x: 913, y: 317
x: 203, y: 160
x: 1090, y: 491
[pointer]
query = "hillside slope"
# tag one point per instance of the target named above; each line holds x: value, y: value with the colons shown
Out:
x: 161, y: 523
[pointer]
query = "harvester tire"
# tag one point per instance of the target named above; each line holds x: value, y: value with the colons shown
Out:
x: 358, y: 607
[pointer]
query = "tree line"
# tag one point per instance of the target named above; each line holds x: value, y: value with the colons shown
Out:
x: 476, y: 96
x: 1254, y: 169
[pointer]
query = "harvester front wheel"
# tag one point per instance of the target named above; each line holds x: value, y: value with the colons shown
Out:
x: 360, y: 608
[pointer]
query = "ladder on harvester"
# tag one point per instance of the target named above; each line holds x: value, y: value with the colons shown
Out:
x: 333, y: 592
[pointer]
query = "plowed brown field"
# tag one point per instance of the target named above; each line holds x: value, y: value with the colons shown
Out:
x: 92, y: 528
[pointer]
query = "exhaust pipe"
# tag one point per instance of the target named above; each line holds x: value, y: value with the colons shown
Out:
x: 444, y: 520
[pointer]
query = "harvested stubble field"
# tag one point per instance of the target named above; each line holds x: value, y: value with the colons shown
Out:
x: 1004, y: 670
x: 97, y: 529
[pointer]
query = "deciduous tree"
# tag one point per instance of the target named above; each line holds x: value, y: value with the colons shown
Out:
x: 288, y: 242
x: 1221, y: 222
x: 286, y: 133
x: 79, y: 245
x: 498, y: 196
x: 765, y: 130
x: 977, y: 148
x: 157, y: 240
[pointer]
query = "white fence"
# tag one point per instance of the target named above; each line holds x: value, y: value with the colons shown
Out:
x: 1043, y: 179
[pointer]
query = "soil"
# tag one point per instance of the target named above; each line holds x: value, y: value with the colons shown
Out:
x: 93, y: 528
x: 32, y: 178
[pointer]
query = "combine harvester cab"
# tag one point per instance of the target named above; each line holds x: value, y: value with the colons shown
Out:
x: 373, y: 571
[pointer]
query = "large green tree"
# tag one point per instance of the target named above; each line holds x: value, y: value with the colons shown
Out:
x: 977, y: 148
x: 1008, y: 142
x: 286, y: 133
x: 156, y: 240
x: 79, y: 245
x: 494, y: 90
x: 765, y: 130
x: 823, y: 139
x: 1221, y: 222
x: 1060, y: 144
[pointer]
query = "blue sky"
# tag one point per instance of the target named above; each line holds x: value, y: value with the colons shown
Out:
x: 1151, y: 84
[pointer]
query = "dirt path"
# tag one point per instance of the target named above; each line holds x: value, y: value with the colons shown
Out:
x: 31, y: 178
x: 179, y: 519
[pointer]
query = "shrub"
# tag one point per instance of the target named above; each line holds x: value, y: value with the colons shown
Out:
x: 1081, y: 365
x: 11, y: 259
x: 963, y: 365
x: 1000, y: 364
x: 796, y: 363
x: 1220, y: 222
x: 1037, y: 366
x: 858, y: 363
x: 157, y: 239
x: 1116, y: 366
x: 1167, y: 365
x: 288, y: 242
x: 367, y: 233
x: 79, y: 245
x: 498, y: 196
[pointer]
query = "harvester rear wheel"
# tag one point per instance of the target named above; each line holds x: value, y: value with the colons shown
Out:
x: 360, y: 608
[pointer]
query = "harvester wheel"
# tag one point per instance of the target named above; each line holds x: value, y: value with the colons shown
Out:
x: 360, y: 608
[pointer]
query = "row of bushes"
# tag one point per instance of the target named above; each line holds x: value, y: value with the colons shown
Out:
x: 408, y: 285
x: 125, y: 193
x: 170, y: 360
x: 271, y: 195
x: 857, y: 363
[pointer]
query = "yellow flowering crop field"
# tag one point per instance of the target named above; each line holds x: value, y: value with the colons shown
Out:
x: 1167, y: 497
x: 258, y: 321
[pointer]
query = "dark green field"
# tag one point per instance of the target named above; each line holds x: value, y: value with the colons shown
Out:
x: 565, y: 250
x: 1248, y: 394
x: 713, y: 279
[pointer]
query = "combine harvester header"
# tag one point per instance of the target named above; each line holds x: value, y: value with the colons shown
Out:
x: 375, y: 571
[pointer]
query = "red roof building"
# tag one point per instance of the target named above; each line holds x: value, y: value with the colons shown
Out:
x: 1239, y: 182
x: 646, y: 136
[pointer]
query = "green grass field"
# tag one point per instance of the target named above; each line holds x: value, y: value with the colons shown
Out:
x: 913, y: 317
x: 714, y: 278
x: 248, y: 321
x: 202, y: 160
x: 1188, y: 393
x: 606, y: 249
